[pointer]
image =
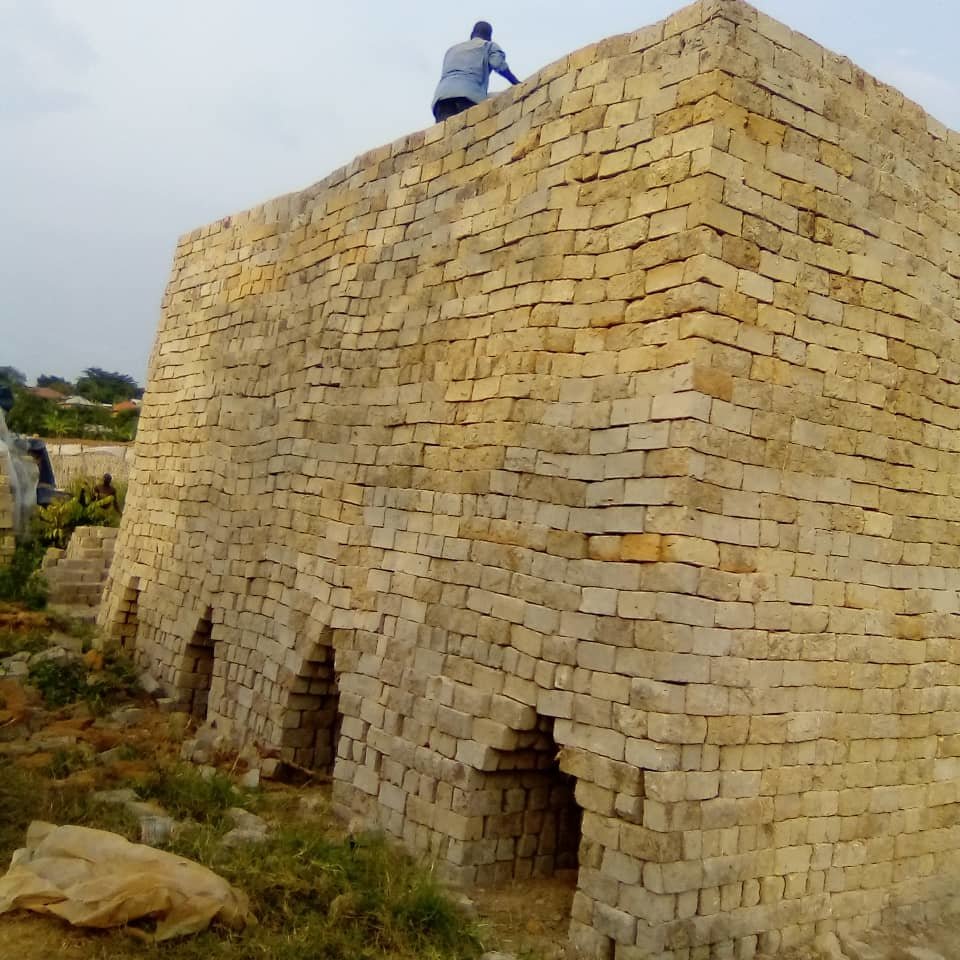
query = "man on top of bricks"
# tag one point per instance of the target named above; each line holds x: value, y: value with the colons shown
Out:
x: 466, y: 72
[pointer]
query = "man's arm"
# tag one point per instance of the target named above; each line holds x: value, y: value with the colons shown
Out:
x: 498, y: 62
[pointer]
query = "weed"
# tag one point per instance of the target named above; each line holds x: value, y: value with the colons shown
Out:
x: 64, y: 683
x: 130, y: 751
x: 67, y: 760
x: 114, y: 682
x: 17, y: 641
x: 73, y: 627
x: 186, y: 794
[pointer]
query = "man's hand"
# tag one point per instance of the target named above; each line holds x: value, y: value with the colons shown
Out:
x: 507, y: 74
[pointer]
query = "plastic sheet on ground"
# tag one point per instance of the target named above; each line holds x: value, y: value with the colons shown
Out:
x: 92, y: 878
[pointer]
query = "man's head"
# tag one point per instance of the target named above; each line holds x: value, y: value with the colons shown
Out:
x: 107, y: 479
x: 482, y: 31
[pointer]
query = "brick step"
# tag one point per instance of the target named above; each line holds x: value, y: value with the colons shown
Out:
x: 76, y: 570
x: 76, y: 576
x: 59, y: 586
x: 84, y: 612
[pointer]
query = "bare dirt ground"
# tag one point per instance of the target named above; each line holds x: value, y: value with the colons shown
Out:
x: 530, y: 918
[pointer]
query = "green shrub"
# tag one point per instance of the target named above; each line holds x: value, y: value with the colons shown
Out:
x: 54, y: 523
x: 64, y: 683
x: 59, y: 683
x: 21, y: 580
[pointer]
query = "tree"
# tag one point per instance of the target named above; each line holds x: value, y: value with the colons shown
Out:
x: 12, y: 377
x: 56, y: 383
x: 30, y: 412
x: 107, y: 386
x: 59, y: 422
x: 125, y: 425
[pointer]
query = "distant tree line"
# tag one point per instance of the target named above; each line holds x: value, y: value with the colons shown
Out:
x: 45, y: 416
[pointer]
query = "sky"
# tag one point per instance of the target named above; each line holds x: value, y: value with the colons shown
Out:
x: 125, y: 123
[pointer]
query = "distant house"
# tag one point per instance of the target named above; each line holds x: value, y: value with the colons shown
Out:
x: 48, y: 393
x: 124, y: 405
x: 77, y: 401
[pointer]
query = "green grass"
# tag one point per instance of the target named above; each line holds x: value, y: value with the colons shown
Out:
x: 317, y: 895
x: 188, y: 795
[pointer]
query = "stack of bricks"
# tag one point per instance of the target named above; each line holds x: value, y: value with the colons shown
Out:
x: 76, y: 575
x: 125, y: 622
x: 603, y: 435
x: 7, y: 519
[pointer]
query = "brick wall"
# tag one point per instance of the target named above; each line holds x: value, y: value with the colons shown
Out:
x: 80, y: 461
x: 591, y: 457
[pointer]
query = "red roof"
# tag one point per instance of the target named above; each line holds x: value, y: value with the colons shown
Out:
x: 47, y: 393
x: 124, y: 405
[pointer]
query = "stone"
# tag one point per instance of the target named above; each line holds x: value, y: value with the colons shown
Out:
x: 239, y: 837
x: 14, y: 668
x: 112, y: 755
x: 128, y: 716
x: 250, y: 780
x: 245, y: 820
x: 121, y: 796
x: 828, y: 945
x: 56, y: 655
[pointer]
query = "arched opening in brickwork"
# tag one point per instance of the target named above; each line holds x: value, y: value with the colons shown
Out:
x: 311, y: 718
x: 126, y: 621
x: 196, y: 668
x: 532, y: 827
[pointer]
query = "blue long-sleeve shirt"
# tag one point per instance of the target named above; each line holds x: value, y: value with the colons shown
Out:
x: 466, y: 70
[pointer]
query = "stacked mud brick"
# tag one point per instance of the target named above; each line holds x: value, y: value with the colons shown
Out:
x: 77, y: 574
x: 604, y: 440
x: 6, y: 513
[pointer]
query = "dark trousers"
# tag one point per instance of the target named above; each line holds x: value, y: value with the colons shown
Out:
x: 443, y: 109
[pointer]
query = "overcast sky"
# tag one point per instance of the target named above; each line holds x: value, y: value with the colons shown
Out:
x: 124, y: 123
